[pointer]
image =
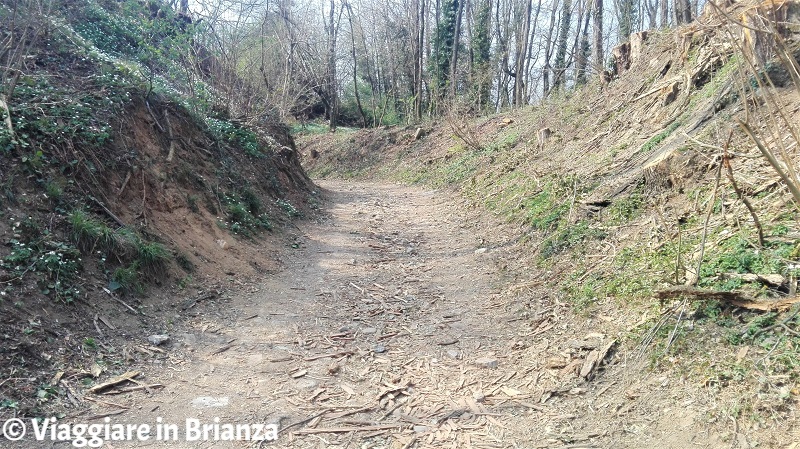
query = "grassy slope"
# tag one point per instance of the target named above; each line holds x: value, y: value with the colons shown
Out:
x: 612, y: 208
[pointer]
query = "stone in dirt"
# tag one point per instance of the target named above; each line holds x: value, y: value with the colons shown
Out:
x: 446, y: 341
x: 379, y: 349
x: 487, y: 362
x: 208, y: 401
x: 157, y: 340
x: 481, y: 250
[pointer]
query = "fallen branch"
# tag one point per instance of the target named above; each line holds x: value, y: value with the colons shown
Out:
x: 350, y: 412
x: 696, y: 278
x: 147, y: 104
x: 140, y: 387
x: 323, y: 356
x: 124, y: 183
x: 222, y: 349
x: 127, y: 377
x: 733, y: 298
x: 773, y: 162
x: 782, y: 324
x: 304, y: 421
x: 111, y: 294
x: 348, y: 429
x: 108, y: 211
x: 726, y: 161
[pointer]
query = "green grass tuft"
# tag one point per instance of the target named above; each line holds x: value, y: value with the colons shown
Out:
x: 126, y: 279
x: 152, y: 258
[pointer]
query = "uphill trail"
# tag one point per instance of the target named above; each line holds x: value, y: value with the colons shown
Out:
x: 395, y: 324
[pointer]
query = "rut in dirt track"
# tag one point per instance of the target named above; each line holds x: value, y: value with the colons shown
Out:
x: 382, y: 323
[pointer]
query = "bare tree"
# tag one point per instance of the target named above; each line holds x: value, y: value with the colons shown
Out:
x: 683, y: 12
x: 582, y: 48
x: 331, y: 95
x: 481, y: 46
x: 503, y: 32
x: 522, y: 55
x: 560, y: 66
x: 597, y: 34
x: 355, y: 64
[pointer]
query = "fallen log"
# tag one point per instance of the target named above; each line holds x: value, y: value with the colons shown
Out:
x: 733, y: 298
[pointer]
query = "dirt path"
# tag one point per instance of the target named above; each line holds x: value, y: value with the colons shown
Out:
x: 391, y: 326
x: 383, y: 317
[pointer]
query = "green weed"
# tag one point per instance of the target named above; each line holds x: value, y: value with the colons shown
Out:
x: 739, y: 256
x: 227, y: 132
x: 310, y: 129
x: 55, y: 264
x: 541, y: 210
x: 152, y: 258
x: 185, y: 282
x: 244, y: 216
x: 191, y: 200
x: 89, y: 233
x: 54, y: 191
x: 660, y: 137
x: 288, y: 207
x: 90, y: 343
x: 567, y: 237
x: 126, y: 279
x: 583, y: 294
x: 625, y: 209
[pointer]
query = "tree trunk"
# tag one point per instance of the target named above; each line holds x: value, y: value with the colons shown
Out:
x: 333, y: 94
x: 418, y: 58
x: 597, y: 36
x: 504, y: 72
x: 626, y: 13
x: 548, y: 52
x: 454, y: 61
x: 664, y: 4
x: 481, y: 46
x: 575, y: 52
x: 652, y: 13
x: 683, y: 12
x: 561, y: 45
x: 522, y: 54
x: 529, y: 80
x: 355, y: 65
x: 584, y: 50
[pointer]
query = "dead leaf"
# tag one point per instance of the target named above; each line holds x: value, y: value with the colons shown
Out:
x: 510, y: 392
x: 741, y: 354
x: 316, y: 394
x: 96, y: 370
x: 348, y: 390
